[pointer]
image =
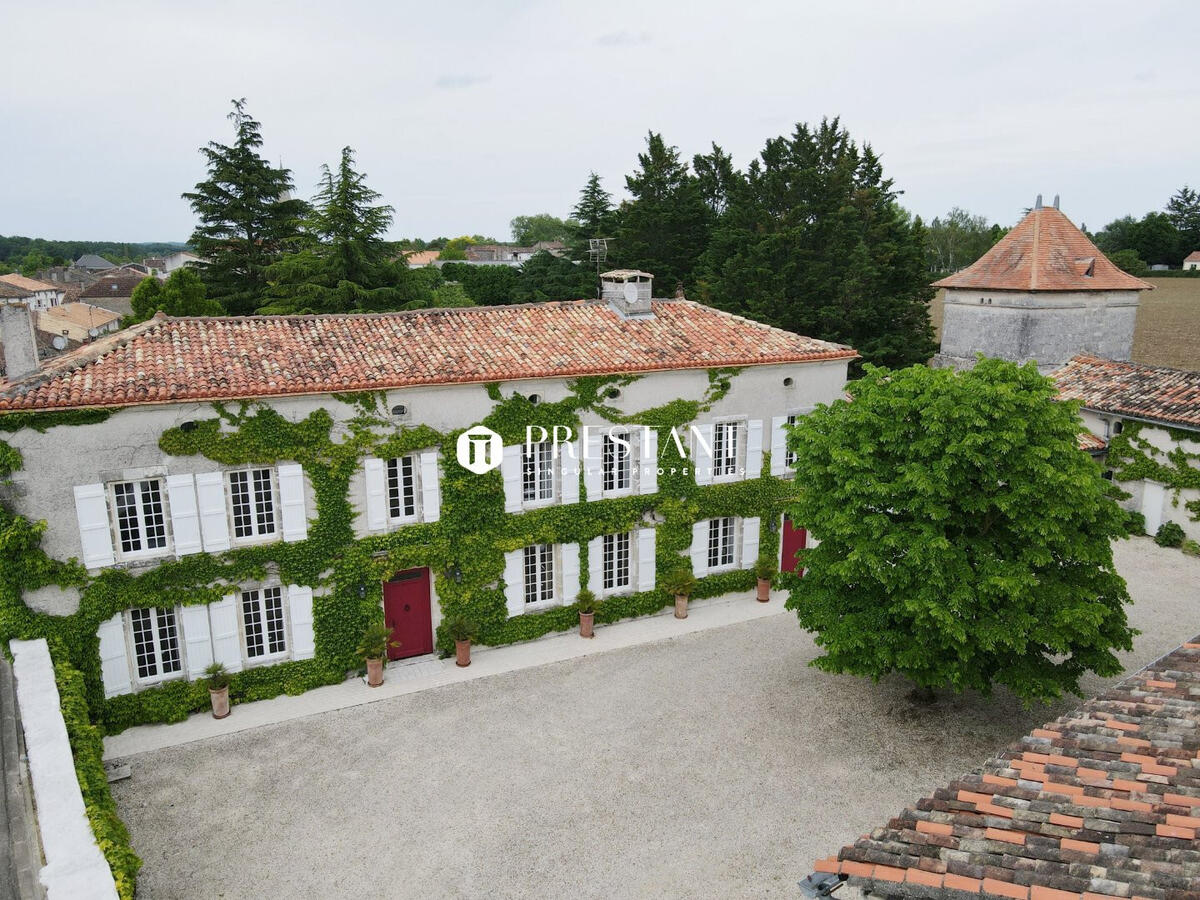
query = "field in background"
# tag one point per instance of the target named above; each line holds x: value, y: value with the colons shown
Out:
x: 1168, y: 323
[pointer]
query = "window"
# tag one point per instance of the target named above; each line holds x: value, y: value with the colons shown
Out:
x: 155, y: 644
x: 616, y: 561
x: 539, y: 574
x: 789, y: 456
x: 616, y: 470
x: 720, y: 542
x: 537, y: 472
x: 141, y: 523
x: 253, y: 499
x: 725, y: 448
x: 262, y: 620
x: 402, y: 487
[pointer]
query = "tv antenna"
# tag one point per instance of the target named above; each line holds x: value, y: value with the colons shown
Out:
x: 598, y: 253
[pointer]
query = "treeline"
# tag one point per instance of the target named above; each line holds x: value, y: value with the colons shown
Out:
x: 1160, y: 238
x: 28, y: 255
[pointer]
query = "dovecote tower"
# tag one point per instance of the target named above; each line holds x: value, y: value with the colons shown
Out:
x: 1043, y: 293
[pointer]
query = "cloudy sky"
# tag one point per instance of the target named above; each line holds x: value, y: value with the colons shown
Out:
x: 466, y: 114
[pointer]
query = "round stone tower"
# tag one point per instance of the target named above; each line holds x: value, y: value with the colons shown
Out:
x: 1043, y: 293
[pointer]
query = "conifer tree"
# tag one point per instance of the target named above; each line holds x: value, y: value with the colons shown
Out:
x: 594, y: 216
x: 248, y: 217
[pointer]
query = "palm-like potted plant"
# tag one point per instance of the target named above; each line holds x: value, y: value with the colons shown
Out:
x: 373, y: 647
x: 681, y: 583
x: 765, y: 570
x: 462, y: 631
x: 586, y: 601
x: 218, y: 689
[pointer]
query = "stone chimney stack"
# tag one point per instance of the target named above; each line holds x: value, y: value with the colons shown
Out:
x: 20, y: 345
x: 627, y: 292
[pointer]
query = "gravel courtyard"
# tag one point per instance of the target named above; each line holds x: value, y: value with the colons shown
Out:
x: 714, y: 765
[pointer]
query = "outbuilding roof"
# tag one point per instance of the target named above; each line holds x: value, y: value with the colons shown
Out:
x: 1154, y: 393
x: 29, y: 284
x: 1044, y: 252
x: 169, y: 360
x: 1102, y: 803
x: 9, y: 291
x: 1194, y: 256
x: 113, y: 286
x: 92, y: 261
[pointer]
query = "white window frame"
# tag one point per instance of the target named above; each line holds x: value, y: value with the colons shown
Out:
x: 259, y: 599
x: 609, y: 548
x: 140, y: 518
x: 543, y: 554
x: 789, y: 455
x: 156, y: 645
x: 257, y: 536
x: 543, y: 472
x: 734, y: 527
x: 728, y: 433
x: 413, y: 460
x: 631, y: 456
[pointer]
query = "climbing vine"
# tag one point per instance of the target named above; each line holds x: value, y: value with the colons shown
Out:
x: 1133, y: 457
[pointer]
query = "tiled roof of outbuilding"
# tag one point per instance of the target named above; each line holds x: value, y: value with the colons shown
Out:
x: 114, y: 286
x: 1194, y: 256
x: 1101, y: 803
x: 1091, y: 443
x: 1156, y: 393
x: 1044, y: 252
x: 9, y: 291
x: 30, y: 284
x: 168, y: 360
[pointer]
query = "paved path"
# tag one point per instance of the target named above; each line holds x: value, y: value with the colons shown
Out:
x: 716, y: 764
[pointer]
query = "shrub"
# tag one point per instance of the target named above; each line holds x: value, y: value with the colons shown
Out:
x: 1190, y: 547
x: 586, y: 601
x: 765, y: 567
x: 680, y: 582
x: 375, y: 641
x: 462, y: 629
x: 1135, y: 522
x: 1170, y: 534
x: 217, y: 676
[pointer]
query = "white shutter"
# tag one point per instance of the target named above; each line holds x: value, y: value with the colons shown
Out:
x: 226, y: 645
x: 570, y: 471
x: 754, y: 448
x: 375, y: 488
x: 291, y: 502
x: 431, y: 501
x: 214, y: 522
x: 699, y: 549
x: 645, y: 559
x: 750, y: 542
x: 185, y: 515
x: 510, y: 469
x: 95, y: 537
x: 114, y: 660
x: 193, y: 620
x: 592, y: 482
x: 779, y: 445
x: 649, y: 470
x: 596, y: 565
x: 702, y: 441
x: 300, y: 608
x: 514, y: 582
x: 569, y: 553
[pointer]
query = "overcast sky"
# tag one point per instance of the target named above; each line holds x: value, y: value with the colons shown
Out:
x: 465, y: 114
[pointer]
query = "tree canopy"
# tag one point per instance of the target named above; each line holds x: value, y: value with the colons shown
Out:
x: 541, y: 227
x: 959, y: 239
x: 182, y: 294
x: 547, y: 277
x: 964, y: 537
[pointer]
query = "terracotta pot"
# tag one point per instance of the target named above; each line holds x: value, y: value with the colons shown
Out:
x: 220, y: 702
x: 764, y: 590
x: 586, y: 620
x: 374, y: 672
x: 462, y: 653
x: 681, y: 606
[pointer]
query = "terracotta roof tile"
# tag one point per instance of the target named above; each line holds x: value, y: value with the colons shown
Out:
x: 29, y: 284
x: 9, y: 291
x: 113, y: 286
x: 1110, y: 823
x: 1044, y: 252
x: 1156, y: 393
x: 171, y: 360
x: 1194, y: 256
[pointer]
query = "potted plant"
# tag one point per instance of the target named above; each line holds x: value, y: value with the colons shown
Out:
x: 373, y: 647
x: 586, y: 601
x: 218, y: 689
x: 462, y: 631
x: 765, y: 570
x: 681, y: 583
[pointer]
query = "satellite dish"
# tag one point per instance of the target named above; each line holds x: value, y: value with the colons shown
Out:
x: 59, y: 342
x: 93, y: 332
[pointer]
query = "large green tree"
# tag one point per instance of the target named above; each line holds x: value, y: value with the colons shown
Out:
x: 248, y: 218
x: 964, y: 537
x: 958, y: 239
x: 346, y: 264
x: 1183, y: 209
x: 594, y: 216
x: 541, y: 227
x: 485, y: 285
x: 813, y: 241
x: 182, y: 294
x: 547, y: 277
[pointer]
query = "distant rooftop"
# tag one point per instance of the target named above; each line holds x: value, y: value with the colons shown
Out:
x: 1155, y: 393
x: 92, y: 261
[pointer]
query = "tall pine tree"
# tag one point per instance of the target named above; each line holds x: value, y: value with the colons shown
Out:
x: 814, y: 242
x: 247, y: 216
x: 594, y: 216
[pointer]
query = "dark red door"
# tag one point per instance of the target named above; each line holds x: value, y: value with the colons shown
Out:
x: 406, y: 609
x: 793, y: 539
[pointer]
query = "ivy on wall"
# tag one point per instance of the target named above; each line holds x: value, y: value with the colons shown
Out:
x: 1134, y: 458
x: 470, y: 538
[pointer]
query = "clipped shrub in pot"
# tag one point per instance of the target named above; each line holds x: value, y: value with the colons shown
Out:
x: 462, y: 631
x: 218, y: 689
x: 680, y: 583
x: 373, y: 647
x: 586, y: 601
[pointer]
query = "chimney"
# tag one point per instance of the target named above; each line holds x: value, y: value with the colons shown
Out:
x: 627, y: 292
x: 1056, y: 201
x: 20, y: 345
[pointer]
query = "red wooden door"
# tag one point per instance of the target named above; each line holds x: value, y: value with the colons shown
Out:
x: 406, y: 608
x: 793, y: 539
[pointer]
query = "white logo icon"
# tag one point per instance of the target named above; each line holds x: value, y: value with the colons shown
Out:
x: 479, y: 449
